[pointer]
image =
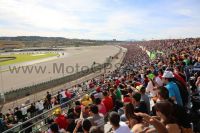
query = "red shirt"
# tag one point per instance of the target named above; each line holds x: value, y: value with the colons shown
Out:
x: 68, y: 94
x: 62, y: 122
x: 179, y: 78
x: 91, y: 85
x: 108, y: 102
x: 117, y: 82
x: 127, y: 100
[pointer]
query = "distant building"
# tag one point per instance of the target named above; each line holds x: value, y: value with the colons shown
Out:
x: 114, y: 40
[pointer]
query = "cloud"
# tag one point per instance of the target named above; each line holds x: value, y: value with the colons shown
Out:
x: 100, y: 19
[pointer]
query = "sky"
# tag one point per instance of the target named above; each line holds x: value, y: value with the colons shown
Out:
x: 101, y: 19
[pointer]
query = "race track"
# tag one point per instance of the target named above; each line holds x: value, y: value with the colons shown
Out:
x: 76, y: 58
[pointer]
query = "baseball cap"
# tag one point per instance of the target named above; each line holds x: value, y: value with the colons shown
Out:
x: 168, y: 74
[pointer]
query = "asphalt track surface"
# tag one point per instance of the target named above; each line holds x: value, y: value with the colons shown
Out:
x: 77, y: 59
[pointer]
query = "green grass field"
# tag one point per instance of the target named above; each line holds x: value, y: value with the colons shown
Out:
x: 25, y: 58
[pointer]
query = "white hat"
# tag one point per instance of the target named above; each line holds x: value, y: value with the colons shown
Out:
x: 168, y: 74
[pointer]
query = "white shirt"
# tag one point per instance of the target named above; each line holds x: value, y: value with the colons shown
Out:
x: 98, y: 95
x: 123, y: 128
x: 24, y: 110
x: 37, y: 105
x: 63, y: 94
x: 41, y: 106
x: 149, y: 89
x: 159, y: 81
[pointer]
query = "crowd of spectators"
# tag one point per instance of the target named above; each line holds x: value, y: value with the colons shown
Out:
x: 20, y: 114
x: 142, y: 95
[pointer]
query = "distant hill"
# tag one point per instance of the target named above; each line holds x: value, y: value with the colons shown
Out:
x: 5, y: 44
x: 37, y: 41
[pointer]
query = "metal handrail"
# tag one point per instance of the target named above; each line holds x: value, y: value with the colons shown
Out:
x: 44, y: 113
x: 66, y: 108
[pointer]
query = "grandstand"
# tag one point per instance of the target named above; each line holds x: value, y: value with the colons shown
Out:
x: 99, y: 66
x: 135, y: 92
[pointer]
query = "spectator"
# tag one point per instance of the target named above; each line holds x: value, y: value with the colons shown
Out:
x: 86, y: 100
x: 140, y: 106
x: 68, y: 94
x: 118, y: 92
x: 198, y: 83
x: 158, y: 80
x: 54, y: 101
x: 130, y: 116
x: 163, y: 94
x: 85, y: 124
x: 95, y: 129
x: 32, y: 110
x: 145, y: 98
x: 47, y: 104
x: 60, y: 119
x: 24, y: 111
x: 119, y: 107
x: 96, y: 119
x: 151, y: 86
x: 118, y: 127
x: 86, y: 112
x: 10, y: 111
x: 77, y: 112
x: 53, y: 128
x: 107, y: 101
x: 98, y: 93
x: 39, y: 106
x: 112, y: 95
x: 127, y: 99
x: 18, y: 114
x: 101, y: 106
x: 3, y: 125
x: 63, y: 97
x: 158, y: 126
x: 48, y: 96
x: 58, y: 97
x: 164, y: 110
x: 173, y: 89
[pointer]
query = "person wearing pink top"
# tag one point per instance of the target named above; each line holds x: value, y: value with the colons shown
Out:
x: 101, y: 106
